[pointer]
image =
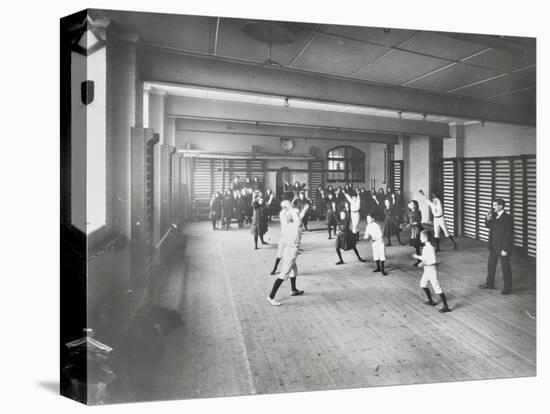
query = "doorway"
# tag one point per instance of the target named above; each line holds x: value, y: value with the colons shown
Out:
x: 283, y: 175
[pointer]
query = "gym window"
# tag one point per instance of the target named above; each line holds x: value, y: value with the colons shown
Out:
x: 345, y: 164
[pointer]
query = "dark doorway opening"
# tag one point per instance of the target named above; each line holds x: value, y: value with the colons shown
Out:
x: 282, y: 175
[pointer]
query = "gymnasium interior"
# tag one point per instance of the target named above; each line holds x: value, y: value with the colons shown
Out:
x: 159, y: 111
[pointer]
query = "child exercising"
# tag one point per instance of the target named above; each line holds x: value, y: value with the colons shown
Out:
x: 428, y: 261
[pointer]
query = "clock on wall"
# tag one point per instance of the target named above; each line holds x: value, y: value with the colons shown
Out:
x: 287, y: 144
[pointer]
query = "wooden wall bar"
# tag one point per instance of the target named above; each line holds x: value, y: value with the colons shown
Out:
x: 485, y: 178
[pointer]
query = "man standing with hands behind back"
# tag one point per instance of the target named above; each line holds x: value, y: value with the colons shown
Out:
x: 501, y: 241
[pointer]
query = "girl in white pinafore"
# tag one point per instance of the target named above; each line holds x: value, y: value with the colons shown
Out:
x: 354, y: 205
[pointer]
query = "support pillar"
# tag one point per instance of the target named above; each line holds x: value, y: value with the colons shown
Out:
x: 122, y: 98
x: 401, y: 152
x: 453, y: 147
x: 156, y: 114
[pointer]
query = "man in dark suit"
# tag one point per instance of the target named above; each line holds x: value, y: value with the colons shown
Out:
x: 501, y: 242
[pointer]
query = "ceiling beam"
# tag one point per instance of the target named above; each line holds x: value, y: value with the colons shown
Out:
x: 206, y: 109
x: 162, y: 65
x: 281, y: 131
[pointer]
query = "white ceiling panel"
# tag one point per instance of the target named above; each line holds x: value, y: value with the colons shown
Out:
x: 169, y: 30
x: 504, y: 60
x: 399, y: 67
x: 510, y: 82
x: 329, y: 54
x: 529, y: 42
x: 232, y: 42
x: 422, y: 60
x: 439, y: 45
x: 370, y: 34
x: 454, y: 77
x: 526, y: 97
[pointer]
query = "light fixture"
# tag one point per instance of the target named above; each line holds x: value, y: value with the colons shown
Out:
x: 270, y: 33
x: 286, y: 102
x: 424, y: 116
x: 400, y: 114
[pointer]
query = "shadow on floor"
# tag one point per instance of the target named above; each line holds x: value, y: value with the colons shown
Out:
x: 50, y: 386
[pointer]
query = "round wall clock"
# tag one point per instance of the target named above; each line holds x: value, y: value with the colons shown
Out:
x: 287, y: 144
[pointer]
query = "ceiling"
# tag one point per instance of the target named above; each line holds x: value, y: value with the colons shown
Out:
x: 492, y: 68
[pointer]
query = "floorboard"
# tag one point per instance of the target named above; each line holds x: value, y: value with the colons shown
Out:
x: 352, y: 328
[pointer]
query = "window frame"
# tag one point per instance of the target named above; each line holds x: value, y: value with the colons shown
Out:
x: 351, y: 155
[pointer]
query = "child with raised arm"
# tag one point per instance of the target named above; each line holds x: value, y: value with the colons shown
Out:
x: 439, y: 219
x: 354, y: 202
x: 428, y: 261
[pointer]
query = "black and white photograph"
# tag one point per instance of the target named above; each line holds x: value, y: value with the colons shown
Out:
x: 256, y: 205
x: 277, y: 206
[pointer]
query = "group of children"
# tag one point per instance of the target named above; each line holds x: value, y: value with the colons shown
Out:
x: 247, y: 203
x: 344, y: 208
x: 384, y: 207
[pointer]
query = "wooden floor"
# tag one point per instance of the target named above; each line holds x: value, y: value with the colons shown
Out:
x: 352, y: 328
